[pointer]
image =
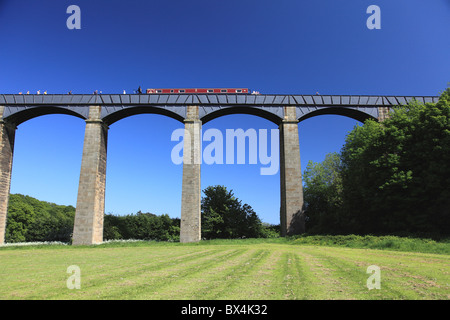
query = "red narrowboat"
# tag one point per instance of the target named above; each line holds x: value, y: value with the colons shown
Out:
x: 195, y: 90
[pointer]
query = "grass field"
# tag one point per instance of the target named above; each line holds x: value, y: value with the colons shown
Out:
x: 235, y: 270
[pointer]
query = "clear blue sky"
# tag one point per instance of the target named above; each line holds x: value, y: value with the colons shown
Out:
x: 282, y: 47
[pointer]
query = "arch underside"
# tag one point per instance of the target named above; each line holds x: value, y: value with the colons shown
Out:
x: 111, y: 114
x: 276, y: 114
x: 18, y: 115
x: 273, y: 114
x: 350, y: 112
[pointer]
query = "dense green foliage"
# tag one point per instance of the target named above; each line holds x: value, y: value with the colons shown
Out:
x: 391, y: 177
x: 323, y: 193
x: 225, y: 217
x: 141, y: 226
x: 30, y: 219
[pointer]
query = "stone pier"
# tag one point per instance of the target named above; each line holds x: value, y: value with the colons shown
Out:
x: 7, y: 135
x: 291, y: 211
x: 88, y: 226
x: 190, y: 228
x: 383, y: 113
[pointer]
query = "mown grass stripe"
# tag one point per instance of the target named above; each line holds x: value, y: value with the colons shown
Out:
x: 352, y: 281
x: 91, y: 277
x: 235, y: 276
x: 198, y: 286
x: 297, y: 279
x: 150, y: 283
x: 424, y: 266
x: 397, y: 274
x: 316, y: 276
x: 57, y: 261
x: 258, y: 282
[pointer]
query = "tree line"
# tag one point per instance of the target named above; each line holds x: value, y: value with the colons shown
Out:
x: 223, y: 216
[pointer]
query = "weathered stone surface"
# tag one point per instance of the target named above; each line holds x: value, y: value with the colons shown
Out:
x: 88, y: 226
x: 291, y: 209
x: 190, y: 228
x: 7, y: 135
x: 383, y: 113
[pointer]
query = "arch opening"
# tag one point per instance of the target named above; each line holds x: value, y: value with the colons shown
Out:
x: 22, y: 116
x: 140, y: 176
x: 321, y: 137
x: 341, y: 111
x: 46, y: 163
x: 137, y: 110
x: 243, y: 174
x: 241, y: 110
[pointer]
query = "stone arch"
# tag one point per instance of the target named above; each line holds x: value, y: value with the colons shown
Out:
x: 111, y: 114
x: 246, y: 181
x: 8, y: 142
x: 268, y: 114
x: 342, y: 111
x: 148, y: 118
x: 28, y: 113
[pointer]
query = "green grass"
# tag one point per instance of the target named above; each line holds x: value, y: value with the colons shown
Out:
x: 268, y: 269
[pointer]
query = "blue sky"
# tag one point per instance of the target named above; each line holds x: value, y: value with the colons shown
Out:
x: 283, y: 47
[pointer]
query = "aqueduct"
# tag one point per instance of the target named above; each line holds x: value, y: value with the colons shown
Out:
x: 100, y: 111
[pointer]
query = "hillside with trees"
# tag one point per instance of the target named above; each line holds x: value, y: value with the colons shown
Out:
x: 31, y: 220
x: 224, y: 216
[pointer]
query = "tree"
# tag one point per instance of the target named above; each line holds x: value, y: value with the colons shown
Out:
x: 20, y: 217
x: 224, y: 216
x: 323, y: 195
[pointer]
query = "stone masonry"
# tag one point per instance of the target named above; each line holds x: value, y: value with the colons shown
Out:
x: 88, y: 226
x: 190, y: 228
x: 7, y: 135
x: 291, y: 209
x: 383, y: 113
